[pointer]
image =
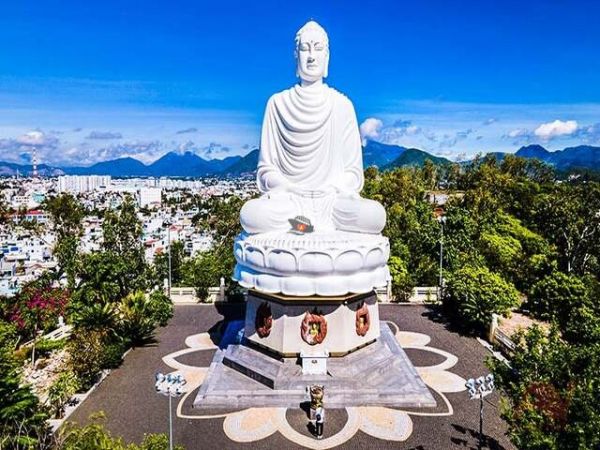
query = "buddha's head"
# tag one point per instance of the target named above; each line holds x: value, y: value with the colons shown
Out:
x: 312, y: 52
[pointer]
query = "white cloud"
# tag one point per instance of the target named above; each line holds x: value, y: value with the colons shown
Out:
x: 32, y: 138
x: 547, y: 131
x: 370, y: 128
x: 519, y: 132
x: 104, y: 135
x: 413, y: 129
x: 590, y: 133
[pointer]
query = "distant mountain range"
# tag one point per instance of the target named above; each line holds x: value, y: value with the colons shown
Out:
x: 580, y: 157
x: 172, y: 164
x: 383, y: 156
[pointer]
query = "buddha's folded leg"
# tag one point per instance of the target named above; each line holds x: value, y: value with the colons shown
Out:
x: 359, y: 215
x: 264, y: 214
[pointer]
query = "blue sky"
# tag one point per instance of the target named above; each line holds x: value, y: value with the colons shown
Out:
x: 87, y: 81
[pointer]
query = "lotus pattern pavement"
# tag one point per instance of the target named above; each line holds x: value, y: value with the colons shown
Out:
x: 390, y: 424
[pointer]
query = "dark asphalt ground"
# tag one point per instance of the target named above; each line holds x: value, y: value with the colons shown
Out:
x: 132, y: 407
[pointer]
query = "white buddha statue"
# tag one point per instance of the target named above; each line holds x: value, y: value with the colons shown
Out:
x: 310, y: 165
x: 310, y: 160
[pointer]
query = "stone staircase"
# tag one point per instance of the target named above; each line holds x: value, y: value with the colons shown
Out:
x: 378, y: 374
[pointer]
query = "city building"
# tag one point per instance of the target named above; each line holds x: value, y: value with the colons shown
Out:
x: 149, y: 197
x: 83, y: 183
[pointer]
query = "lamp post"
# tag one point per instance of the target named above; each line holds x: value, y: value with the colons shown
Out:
x: 442, y: 222
x: 171, y: 386
x: 169, y: 239
x: 479, y: 388
x: 168, y: 224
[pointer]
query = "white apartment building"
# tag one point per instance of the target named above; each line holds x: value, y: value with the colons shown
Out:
x: 149, y: 197
x: 83, y: 183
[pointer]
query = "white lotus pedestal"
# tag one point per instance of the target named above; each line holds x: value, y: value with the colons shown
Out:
x: 327, y: 264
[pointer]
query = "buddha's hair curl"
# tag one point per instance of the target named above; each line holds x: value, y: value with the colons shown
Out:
x: 311, y: 25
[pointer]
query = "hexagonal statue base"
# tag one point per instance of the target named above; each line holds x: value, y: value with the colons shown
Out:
x: 259, y: 365
x: 338, y: 325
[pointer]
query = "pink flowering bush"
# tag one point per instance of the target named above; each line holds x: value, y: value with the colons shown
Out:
x: 37, y: 308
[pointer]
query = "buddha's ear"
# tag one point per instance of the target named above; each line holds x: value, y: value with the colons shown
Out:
x: 296, y: 60
x: 326, y: 71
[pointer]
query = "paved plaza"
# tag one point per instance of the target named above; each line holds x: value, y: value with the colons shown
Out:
x: 443, y: 358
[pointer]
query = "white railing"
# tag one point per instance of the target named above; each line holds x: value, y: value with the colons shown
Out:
x: 499, y: 338
x: 55, y: 335
x: 424, y: 294
x: 188, y: 295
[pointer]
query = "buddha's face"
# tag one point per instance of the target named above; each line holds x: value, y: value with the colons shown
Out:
x: 312, y: 55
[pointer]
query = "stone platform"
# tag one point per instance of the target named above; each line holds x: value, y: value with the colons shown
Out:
x: 379, y: 374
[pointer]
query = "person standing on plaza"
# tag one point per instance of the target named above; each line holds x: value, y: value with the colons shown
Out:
x: 319, y: 422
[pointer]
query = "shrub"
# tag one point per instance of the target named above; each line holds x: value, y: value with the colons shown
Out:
x: 96, y: 316
x: 136, y: 319
x: 556, y: 295
x: 37, y: 308
x: 552, y: 392
x: 86, y: 352
x: 402, y: 283
x: 473, y: 294
x: 95, y: 436
x: 43, y: 347
x: 22, y: 418
x: 161, y: 308
x: 61, y: 391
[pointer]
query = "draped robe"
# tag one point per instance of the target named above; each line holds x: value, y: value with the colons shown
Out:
x: 310, y: 164
x: 310, y: 139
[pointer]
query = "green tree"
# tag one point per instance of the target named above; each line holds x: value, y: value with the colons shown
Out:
x: 61, y: 391
x: 140, y: 314
x: 402, y: 283
x: 430, y: 174
x: 511, y: 249
x: 103, y: 278
x: 556, y: 296
x: 219, y: 217
x: 569, y: 216
x: 22, y: 418
x: 122, y: 244
x: 66, y: 214
x: 552, y: 392
x: 473, y: 294
x: 161, y: 264
x: 207, y: 268
x: 161, y: 307
x: 411, y: 226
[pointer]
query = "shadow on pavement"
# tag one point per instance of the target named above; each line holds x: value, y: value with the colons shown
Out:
x: 470, y: 439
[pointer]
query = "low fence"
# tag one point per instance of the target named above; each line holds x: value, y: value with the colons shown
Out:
x: 61, y: 332
x: 497, y: 337
x: 419, y: 294
x: 424, y: 294
x: 188, y: 295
